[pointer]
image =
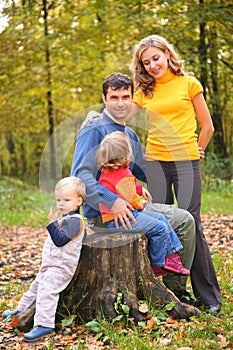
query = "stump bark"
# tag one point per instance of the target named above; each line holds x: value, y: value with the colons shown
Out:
x: 109, y: 264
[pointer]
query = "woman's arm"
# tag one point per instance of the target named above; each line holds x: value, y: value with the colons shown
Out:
x: 205, y: 121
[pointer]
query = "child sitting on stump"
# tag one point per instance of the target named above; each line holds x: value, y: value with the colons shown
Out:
x: 113, y: 156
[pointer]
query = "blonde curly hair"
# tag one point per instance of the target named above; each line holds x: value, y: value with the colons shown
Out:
x: 142, y: 79
x: 114, y: 151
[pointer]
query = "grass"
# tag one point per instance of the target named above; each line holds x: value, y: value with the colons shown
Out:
x: 218, y: 200
x: 25, y: 205
x: 204, y: 332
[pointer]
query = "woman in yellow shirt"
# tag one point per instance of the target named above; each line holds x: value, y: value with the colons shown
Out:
x: 173, y: 100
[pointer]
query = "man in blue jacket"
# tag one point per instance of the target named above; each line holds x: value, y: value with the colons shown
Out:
x: 118, y: 98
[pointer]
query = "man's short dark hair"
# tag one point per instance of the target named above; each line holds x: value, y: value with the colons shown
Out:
x: 117, y: 81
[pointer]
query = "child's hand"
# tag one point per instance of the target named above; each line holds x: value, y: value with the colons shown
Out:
x: 146, y: 194
x: 52, y: 215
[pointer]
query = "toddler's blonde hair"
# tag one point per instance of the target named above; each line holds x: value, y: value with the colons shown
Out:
x: 75, y: 183
x: 114, y: 151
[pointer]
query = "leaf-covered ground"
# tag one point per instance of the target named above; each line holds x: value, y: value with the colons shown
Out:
x: 20, y: 258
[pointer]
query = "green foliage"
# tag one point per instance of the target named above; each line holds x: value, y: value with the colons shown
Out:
x: 68, y: 321
x: 22, y: 204
x: 215, y: 170
x: 170, y: 306
x: 217, y: 184
x: 121, y: 309
x: 218, y: 200
x: 94, y: 326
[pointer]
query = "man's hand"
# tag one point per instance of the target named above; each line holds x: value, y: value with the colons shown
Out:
x: 122, y: 211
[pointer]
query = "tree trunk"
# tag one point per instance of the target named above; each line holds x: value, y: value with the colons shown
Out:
x: 220, y: 148
x: 203, y: 54
x: 49, y: 94
x: 109, y: 264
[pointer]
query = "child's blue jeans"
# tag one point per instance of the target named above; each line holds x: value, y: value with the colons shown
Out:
x: 163, y: 240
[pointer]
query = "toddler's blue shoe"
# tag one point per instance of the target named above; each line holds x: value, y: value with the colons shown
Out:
x: 7, y: 313
x: 37, y: 333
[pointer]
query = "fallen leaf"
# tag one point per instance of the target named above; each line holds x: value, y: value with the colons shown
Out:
x: 15, y: 321
x: 222, y: 340
x: 143, y: 308
x: 165, y: 341
x: 150, y: 324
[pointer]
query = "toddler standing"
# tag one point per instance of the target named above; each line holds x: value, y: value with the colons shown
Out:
x: 60, y: 257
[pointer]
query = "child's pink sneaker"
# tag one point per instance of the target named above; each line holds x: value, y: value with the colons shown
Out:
x: 174, y: 264
x: 159, y: 271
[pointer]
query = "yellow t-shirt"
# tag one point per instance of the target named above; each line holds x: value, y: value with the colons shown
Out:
x: 172, y: 122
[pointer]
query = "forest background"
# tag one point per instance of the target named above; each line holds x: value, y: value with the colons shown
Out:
x: 55, y: 54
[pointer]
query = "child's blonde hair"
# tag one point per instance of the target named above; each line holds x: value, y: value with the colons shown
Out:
x: 114, y: 151
x: 75, y: 183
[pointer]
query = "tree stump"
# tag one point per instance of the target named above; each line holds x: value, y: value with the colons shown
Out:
x: 109, y: 264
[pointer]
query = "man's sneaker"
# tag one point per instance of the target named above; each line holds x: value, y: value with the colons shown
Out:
x: 37, y: 333
x: 159, y: 271
x: 7, y: 313
x: 174, y: 264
